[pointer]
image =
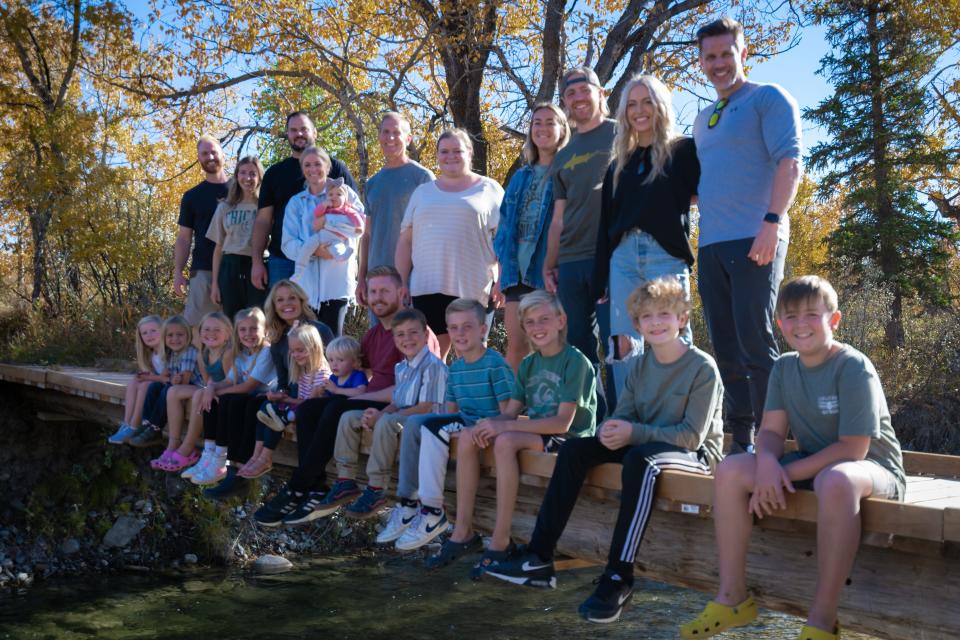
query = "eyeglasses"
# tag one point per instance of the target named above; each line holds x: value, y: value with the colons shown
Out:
x: 717, y: 110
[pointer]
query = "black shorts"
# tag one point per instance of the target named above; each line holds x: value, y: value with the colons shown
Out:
x: 434, y: 307
x: 517, y: 291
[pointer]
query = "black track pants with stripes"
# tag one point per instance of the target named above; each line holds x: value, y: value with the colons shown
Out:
x: 641, y: 466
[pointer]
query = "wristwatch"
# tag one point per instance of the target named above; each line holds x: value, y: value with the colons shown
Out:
x: 772, y: 217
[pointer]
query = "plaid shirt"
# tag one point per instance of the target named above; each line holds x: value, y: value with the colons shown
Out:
x: 423, y: 379
x: 186, y: 360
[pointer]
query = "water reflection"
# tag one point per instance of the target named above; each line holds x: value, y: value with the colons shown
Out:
x: 349, y: 598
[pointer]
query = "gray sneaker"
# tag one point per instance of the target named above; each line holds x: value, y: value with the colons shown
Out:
x: 146, y: 436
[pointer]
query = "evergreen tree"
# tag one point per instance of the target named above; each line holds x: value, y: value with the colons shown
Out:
x: 879, y: 145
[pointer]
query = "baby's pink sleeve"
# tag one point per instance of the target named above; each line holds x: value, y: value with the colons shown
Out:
x: 355, y: 217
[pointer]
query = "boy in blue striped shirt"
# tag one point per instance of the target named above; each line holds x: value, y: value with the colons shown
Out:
x: 478, y: 386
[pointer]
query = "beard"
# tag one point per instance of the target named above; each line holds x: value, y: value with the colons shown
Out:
x: 388, y: 308
x: 299, y: 144
x: 212, y: 166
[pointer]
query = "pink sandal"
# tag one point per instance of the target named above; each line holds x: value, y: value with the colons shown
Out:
x: 178, y: 462
x: 255, y: 471
x: 157, y: 463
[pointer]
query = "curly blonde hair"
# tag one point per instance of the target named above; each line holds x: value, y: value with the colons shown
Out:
x: 659, y: 293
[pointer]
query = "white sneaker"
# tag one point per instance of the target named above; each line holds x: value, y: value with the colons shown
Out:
x: 400, y: 518
x: 425, y: 527
x: 214, y: 472
x: 204, y: 460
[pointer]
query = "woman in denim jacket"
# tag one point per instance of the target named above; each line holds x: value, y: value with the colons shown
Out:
x: 521, y: 240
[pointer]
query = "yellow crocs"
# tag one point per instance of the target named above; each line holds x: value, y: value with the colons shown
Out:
x: 812, y: 633
x: 717, y: 618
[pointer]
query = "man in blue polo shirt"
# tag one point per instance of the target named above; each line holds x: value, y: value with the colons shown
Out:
x: 748, y: 144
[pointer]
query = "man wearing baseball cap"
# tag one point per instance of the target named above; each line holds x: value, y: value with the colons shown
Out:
x: 578, y: 171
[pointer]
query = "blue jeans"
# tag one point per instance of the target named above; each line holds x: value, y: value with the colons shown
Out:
x: 637, y: 259
x: 279, y: 269
x: 739, y: 299
x: 587, y: 322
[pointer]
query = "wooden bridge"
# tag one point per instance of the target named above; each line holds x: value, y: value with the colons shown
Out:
x: 905, y: 584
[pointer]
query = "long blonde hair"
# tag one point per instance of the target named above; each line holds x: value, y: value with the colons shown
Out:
x: 181, y: 322
x: 144, y: 354
x: 310, y: 337
x: 530, y: 151
x: 228, y: 345
x: 664, y: 131
x: 249, y: 313
x: 234, y: 190
x: 276, y: 326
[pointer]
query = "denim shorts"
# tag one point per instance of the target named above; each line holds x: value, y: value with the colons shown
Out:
x: 638, y: 258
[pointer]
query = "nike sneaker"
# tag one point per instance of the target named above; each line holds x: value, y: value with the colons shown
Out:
x: 608, y: 599
x: 525, y: 568
x: 426, y: 526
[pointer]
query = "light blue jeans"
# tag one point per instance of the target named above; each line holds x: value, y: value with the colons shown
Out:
x: 638, y: 258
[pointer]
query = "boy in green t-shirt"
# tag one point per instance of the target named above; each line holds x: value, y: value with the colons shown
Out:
x: 669, y: 416
x: 556, y: 384
x: 828, y: 394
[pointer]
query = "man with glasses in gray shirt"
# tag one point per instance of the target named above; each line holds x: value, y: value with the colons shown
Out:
x: 748, y: 144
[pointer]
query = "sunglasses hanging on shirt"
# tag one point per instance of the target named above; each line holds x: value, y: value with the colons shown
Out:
x: 717, y: 110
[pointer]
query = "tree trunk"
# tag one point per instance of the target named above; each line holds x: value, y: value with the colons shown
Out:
x: 885, y: 209
x: 467, y: 32
x: 39, y: 223
x: 893, y: 330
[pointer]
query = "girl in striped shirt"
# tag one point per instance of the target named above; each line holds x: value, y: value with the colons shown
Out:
x: 308, y: 366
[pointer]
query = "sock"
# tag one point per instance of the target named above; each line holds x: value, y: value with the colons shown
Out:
x: 434, y: 511
x: 373, y: 488
x: 407, y: 502
x: 622, y: 573
x: 221, y: 452
x: 209, y: 446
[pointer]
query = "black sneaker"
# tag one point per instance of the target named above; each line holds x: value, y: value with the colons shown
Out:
x: 608, y: 599
x: 283, y: 504
x: 525, y: 568
x: 308, y: 510
x: 491, y: 559
x: 451, y: 550
x: 231, y: 485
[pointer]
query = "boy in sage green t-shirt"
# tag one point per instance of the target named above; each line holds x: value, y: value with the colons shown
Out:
x: 556, y: 389
x: 828, y: 394
x: 668, y: 417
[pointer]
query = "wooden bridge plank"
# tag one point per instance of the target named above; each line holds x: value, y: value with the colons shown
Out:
x: 951, y: 524
x: 908, y: 520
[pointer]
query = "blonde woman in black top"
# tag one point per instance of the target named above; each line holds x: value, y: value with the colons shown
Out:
x: 645, y: 211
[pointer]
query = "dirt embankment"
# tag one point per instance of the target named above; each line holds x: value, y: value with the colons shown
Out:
x: 72, y: 504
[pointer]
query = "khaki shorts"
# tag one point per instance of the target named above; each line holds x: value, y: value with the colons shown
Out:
x: 885, y: 484
x: 198, y: 298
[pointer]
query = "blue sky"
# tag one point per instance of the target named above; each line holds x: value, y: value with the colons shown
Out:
x: 795, y: 70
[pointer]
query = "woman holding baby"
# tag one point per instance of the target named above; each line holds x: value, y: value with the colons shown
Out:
x: 321, y: 228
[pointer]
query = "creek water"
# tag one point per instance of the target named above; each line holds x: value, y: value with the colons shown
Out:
x: 347, y: 597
